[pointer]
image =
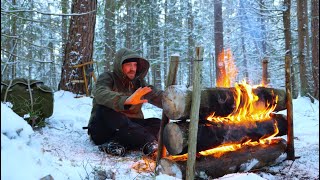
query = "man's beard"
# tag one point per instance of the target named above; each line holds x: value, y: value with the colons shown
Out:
x: 131, y: 74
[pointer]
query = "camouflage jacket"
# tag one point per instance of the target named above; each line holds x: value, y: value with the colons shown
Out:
x: 113, y: 88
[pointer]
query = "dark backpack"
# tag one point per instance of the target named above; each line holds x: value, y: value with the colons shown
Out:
x: 31, y: 99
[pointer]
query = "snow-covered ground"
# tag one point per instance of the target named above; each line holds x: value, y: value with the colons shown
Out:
x: 63, y: 149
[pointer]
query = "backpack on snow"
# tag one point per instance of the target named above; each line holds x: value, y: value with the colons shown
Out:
x: 31, y: 99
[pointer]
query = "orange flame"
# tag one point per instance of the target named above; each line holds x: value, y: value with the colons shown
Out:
x: 247, y: 107
x: 227, y: 69
x: 222, y: 149
x: 144, y: 165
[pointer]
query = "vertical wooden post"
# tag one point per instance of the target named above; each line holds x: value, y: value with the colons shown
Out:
x: 265, y: 72
x: 194, y: 114
x: 290, y: 136
x: 85, y: 80
x: 171, y: 80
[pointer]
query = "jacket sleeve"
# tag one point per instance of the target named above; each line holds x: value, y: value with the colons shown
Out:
x: 155, y: 96
x: 104, y: 95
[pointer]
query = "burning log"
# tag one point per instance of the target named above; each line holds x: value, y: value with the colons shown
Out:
x: 213, y: 134
x: 177, y: 101
x: 242, y: 160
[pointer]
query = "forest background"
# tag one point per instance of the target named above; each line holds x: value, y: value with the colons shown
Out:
x: 44, y: 39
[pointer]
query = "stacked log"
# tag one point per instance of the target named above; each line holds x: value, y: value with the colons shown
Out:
x: 176, y: 101
x: 211, y: 134
x: 242, y: 160
x: 176, y: 105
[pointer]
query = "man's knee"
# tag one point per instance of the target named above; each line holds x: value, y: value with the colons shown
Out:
x: 113, y: 120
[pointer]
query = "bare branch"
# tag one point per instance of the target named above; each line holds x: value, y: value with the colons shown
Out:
x: 17, y: 37
x: 24, y: 58
x: 26, y: 19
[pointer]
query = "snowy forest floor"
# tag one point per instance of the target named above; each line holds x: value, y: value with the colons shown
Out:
x: 71, y: 155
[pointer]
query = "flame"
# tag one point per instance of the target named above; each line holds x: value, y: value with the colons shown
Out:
x: 227, y: 69
x: 144, y: 165
x: 222, y: 149
x: 248, y: 109
x: 247, y: 106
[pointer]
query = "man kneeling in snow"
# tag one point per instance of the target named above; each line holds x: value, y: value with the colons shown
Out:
x: 116, y: 121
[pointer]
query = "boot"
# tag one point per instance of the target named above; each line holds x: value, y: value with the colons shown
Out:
x: 150, y: 148
x: 113, y: 148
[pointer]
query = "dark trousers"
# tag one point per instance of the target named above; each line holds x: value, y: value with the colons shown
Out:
x: 110, y: 125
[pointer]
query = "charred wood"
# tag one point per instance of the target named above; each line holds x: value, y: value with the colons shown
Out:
x: 212, y: 134
x: 176, y: 101
x: 246, y: 159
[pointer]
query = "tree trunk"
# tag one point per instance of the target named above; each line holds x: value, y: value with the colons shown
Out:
x: 315, y: 45
x: 218, y: 43
x: 155, y: 46
x: 242, y: 160
x: 265, y: 80
x: 64, y: 28
x: 110, y: 34
x: 302, y: 35
x: 176, y: 101
x: 191, y: 40
x: 14, y: 41
x: 211, y: 134
x: 79, y: 47
x: 244, y: 52
x: 288, y: 73
x: 129, y: 22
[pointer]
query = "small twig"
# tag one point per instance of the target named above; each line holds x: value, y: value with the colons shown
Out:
x: 291, y: 164
x: 85, y: 168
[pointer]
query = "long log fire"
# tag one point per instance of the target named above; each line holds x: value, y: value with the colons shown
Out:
x: 242, y: 160
x: 213, y: 134
x: 176, y: 101
x: 240, y: 119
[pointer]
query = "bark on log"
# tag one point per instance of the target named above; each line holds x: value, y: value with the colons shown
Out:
x: 176, y: 101
x: 210, y: 135
x: 242, y: 160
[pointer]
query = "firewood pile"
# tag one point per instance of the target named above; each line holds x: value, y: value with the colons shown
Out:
x: 225, y: 144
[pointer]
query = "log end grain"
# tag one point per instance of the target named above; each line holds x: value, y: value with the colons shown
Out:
x: 173, y: 138
x: 174, y: 101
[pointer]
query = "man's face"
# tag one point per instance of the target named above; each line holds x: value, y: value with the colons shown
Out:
x: 130, y: 69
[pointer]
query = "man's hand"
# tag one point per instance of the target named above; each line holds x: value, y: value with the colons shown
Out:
x: 135, y: 98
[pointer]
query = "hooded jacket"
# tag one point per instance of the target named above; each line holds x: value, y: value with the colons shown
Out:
x: 113, y: 88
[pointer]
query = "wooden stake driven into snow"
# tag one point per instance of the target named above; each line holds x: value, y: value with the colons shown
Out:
x: 242, y: 160
x: 290, y: 147
x: 194, y: 114
x: 171, y: 79
x: 265, y: 80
